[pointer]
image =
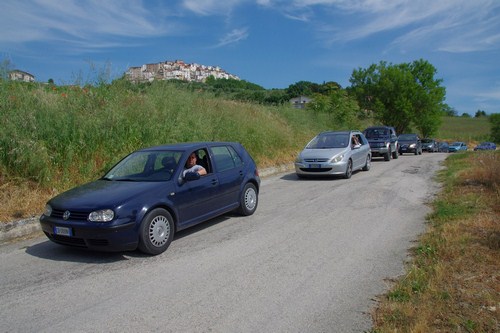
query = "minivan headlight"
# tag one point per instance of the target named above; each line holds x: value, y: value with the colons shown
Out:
x: 104, y: 215
x: 338, y: 158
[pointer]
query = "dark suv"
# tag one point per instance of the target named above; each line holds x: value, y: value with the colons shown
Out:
x: 383, y: 141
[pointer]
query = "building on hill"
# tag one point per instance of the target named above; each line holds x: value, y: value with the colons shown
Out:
x: 300, y: 102
x: 176, y: 70
x: 18, y: 75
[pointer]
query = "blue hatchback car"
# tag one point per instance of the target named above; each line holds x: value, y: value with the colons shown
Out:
x: 145, y: 198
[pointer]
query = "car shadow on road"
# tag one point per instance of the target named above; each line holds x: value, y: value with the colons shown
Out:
x: 293, y: 177
x: 52, y: 251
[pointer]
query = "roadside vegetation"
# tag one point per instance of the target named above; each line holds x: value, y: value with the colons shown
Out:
x: 453, y: 281
x: 56, y: 137
x: 53, y: 138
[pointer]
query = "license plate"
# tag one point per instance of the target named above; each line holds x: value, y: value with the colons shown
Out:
x: 62, y: 231
x: 313, y: 166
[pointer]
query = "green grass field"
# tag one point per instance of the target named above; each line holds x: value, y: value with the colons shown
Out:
x: 469, y: 130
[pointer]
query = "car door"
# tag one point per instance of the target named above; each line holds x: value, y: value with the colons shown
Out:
x: 358, y: 154
x: 230, y: 170
x: 196, y: 200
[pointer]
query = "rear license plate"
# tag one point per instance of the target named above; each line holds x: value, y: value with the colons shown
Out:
x: 312, y: 166
x: 62, y: 231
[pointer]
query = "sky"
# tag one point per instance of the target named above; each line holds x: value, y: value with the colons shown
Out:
x: 272, y: 43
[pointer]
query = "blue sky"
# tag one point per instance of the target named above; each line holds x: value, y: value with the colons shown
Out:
x: 273, y: 43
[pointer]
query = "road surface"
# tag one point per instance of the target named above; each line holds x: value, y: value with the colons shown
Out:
x: 313, y: 258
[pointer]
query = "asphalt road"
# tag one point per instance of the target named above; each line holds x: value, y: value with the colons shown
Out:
x: 313, y: 258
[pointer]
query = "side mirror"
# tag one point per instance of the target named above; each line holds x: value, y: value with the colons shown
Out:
x: 192, y: 176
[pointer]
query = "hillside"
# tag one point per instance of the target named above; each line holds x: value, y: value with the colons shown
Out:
x: 53, y: 138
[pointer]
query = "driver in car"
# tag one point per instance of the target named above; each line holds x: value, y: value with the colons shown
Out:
x: 192, y: 166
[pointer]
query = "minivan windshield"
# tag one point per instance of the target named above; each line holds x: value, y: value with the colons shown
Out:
x: 330, y: 140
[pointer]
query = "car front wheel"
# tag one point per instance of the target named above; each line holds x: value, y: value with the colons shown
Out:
x: 348, y: 171
x: 248, y: 200
x: 368, y: 163
x: 157, y: 232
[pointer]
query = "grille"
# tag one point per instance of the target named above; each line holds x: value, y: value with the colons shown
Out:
x: 315, y: 160
x: 316, y: 169
x: 66, y: 240
x: 98, y: 242
x: 74, y: 215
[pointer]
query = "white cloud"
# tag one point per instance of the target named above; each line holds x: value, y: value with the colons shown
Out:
x: 211, y: 7
x: 80, y: 21
x: 233, y: 36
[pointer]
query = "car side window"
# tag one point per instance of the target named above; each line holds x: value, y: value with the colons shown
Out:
x: 225, y: 158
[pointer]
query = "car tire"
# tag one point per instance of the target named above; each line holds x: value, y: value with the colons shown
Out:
x: 387, y: 156
x: 348, y: 170
x: 395, y: 154
x: 368, y: 163
x: 157, y: 232
x: 248, y: 200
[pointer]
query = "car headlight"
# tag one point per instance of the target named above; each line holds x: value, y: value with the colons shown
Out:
x: 48, y: 210
x: 337, y: 158
x: 104, y: 215
x: 412, y: 145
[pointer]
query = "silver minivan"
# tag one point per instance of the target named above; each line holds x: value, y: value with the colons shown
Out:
x: 334, y: 153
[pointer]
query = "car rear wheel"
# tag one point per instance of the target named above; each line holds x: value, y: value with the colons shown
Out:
x: 248, y: 200
x: 157, y: 232
x: 368, y: 163
x: 387, y: 156
x: 348, y: 171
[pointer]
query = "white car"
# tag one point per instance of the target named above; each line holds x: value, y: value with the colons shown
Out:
x: 335, y: 153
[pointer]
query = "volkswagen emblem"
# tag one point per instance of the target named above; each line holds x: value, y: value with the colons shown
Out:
x: 66, y: 215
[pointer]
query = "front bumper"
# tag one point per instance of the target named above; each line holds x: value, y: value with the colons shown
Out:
x: 407, y: 149
x: 321, y: 168
x: 379, y: 151
x: 90, y: 235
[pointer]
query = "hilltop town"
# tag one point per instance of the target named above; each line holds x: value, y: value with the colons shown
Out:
x: 178, y: 70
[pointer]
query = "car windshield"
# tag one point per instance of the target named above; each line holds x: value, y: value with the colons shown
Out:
x: 145, y: 166
x: 456, y: 144
x: 426, y: 141
x: 407, y: 137
x: 374, y: 133
x: 331, y: 140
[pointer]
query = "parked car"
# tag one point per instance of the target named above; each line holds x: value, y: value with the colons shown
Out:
x: 383, y: 141
x: 430, y: 145
x: 443, y: 147
x: 486, y: 146
x: 334, y: 153
x: 410, y: 143
x: 144, y: 199
x: 457, y: 146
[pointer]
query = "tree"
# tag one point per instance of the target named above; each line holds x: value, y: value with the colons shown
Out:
x: 495, y: 127
x: 404, y: 96
x: 480, y: 113
x: 448, y: 110
x: 466, y: 115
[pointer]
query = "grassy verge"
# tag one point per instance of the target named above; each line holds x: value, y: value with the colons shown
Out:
x: 53, y: 138
x: 453, y: 282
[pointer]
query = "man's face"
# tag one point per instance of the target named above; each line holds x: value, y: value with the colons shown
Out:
x: 191, y: 160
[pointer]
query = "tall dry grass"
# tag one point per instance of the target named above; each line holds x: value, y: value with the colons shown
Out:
x: 453, y: 283
x: 53, y: 138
